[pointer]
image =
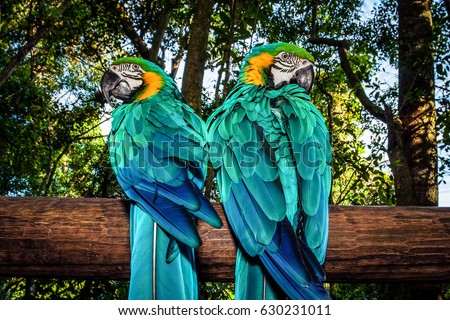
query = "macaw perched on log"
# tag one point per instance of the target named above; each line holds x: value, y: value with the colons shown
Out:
x: 271, y: 151
x: 158, y: 151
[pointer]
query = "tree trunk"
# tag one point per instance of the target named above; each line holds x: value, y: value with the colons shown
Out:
x: 225, y: 65
x: 417, y: 111
x: 412, y: 136
x: 412, y: 145
x: 196, y: 57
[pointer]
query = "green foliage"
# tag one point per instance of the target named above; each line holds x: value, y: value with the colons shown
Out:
x: 442, y: 65
x: 447, y: 291
x: 51, y: 142
x: 43, y: 119
x: 370, y: 291
x: 216, y: 291
x: 47, y: 289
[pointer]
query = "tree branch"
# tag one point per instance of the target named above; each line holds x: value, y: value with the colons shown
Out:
x: 51, y: 174
x: 41, y: 32
x: 160, y: 30
x: 225, y: 65
x: 314, y: 20
x: 353, y: 82
x: 129, y: 30
x: 89, y: 239
x: 447, y: 7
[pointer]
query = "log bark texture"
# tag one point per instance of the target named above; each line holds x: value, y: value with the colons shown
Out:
x: 88, y: 238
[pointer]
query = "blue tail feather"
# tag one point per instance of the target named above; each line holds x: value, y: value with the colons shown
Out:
x: 294, y: 267
x: 253, y: 282
x: 152, y: 275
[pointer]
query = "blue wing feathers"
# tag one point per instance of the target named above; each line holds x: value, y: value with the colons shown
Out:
x: 311, y: 194
x: 173, y: 250
x: 267, y: 195
x: 240, y: 226
x: 207, y: 213
x: 266, y: 167
x: 231, y: 165
x: 173, y: 218
x: 259, y: 224
x: 318, y: 241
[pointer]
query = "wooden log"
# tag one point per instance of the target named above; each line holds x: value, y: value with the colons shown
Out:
x: 88, y: 238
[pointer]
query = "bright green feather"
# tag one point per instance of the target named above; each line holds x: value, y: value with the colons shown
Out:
x: 275, y: 48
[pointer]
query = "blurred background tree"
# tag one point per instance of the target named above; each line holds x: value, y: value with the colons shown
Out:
x: 52, y: 131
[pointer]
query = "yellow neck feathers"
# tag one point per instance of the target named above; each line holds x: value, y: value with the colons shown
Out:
x: 255, y: 66
x: 153, y: 83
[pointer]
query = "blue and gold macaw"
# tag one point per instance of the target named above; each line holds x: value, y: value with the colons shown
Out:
x: 271, y: 150
x: 158, y: 152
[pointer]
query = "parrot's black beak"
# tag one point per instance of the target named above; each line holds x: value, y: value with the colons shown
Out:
x: 304, y: 77
x: 99, y: 96
x: 109, y: 82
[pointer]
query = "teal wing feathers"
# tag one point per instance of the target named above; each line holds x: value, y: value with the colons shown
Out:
x: 272, y: 154
x: 312, y: 156
x: 158, y: 151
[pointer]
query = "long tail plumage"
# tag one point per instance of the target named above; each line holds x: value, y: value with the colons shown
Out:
x: 285, y: 261
x: 161, y: 267
x: 294, y: 266
x: 253, y: 282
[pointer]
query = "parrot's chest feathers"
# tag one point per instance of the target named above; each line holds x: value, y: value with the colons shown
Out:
x: 277, y: 120
x: 273, y: 126
x: 278, y: 115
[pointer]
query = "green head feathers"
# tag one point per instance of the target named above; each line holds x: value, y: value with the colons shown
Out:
x: 275, y: 48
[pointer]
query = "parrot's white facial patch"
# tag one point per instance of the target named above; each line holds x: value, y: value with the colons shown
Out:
x: 285, y: 67
x: 131, y: 73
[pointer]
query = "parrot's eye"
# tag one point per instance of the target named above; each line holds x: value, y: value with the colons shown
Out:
x: 135, y: 67
x: 114, y: 67
x: 284, y: 56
